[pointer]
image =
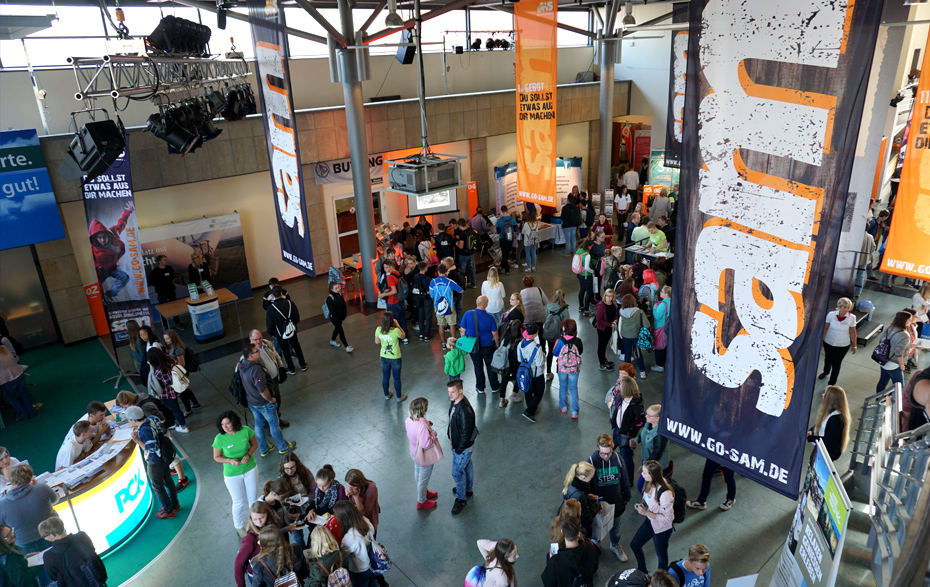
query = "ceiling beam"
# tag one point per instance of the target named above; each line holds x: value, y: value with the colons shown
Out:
x: 564, y: 27
x: 409, y: 24
x: 374, y: 15
x: 315, y: 14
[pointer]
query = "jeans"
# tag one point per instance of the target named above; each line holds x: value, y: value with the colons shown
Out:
x: 190, y: 400
x: 506, y: 246
x: 467, y: 266
x: 15, y: 392
x: 534, y: 394
x: 833, y: 359
x: 286, y: 345
x: 614, y: 533
x: 481, y: 359
x: 887, y: 375
x: 571, y: 243
x: 659, y: 540
x: 421, y: 475
x: 860, y: 281
x: 463, y: 471
x: 626, y: 453
x: 603, y: 338
x: 457, y: 302
x: 389, y: 366
x: 586, y: 293
x: 497, y: 317
x: 243, y: 489
x: 364, y: 579
x: 425, y: 315
x: 710, y: 467
x: 175, y: 406
x: 267, y: 414
x: 338, y: 331
x: 630, y: 350
x: 568, y: 385
x: 531, y: 256
x: 163, y: 485
x: 400, y: 314
x: 660, y: 355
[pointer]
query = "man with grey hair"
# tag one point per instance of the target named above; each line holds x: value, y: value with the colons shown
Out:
x: 481, y: 325
x: 274, y: 364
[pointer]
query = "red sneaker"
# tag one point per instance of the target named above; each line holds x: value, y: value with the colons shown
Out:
x: 431, y: 494
x: 426, y: 505
x: 177, y: 508
x: 163, y: 515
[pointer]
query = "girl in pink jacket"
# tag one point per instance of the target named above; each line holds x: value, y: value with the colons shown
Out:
x: 658, y: 509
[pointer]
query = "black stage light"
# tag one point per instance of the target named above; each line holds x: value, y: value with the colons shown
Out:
x: 231, y: 112
x: 93, y: 149
x: 476, y: 45
x: 166, y: 127
x: 251, y: 106
x: 503, y: 44
x: 216, y: 100
x: 204, y: 112
x: 490, y: 44
x: 180, y: 36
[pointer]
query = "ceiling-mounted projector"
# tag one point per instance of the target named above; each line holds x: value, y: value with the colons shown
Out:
x: 419, y: 174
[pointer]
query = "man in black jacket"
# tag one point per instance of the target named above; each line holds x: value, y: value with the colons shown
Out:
x: 611, y: 481
x: 571, y: 218
x: 462, y: 432
x: 281, y: 322
x: 577, y: 559
x: 163, y: 278
x: 84, y: 565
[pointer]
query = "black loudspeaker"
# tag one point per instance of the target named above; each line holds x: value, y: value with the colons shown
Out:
x: 406, y: 54
x: 93, y: 149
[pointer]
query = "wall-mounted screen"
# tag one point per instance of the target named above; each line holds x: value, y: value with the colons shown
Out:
x: 432, y: 203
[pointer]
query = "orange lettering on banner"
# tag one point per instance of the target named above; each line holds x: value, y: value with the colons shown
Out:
x: 908, y: 250
x: 536, y: 22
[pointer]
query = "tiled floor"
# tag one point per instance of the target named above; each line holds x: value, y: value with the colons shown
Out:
x: 338, y: 416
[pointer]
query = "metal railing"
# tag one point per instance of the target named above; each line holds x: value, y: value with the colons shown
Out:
x: 900, y: 516
x: 878, y: 424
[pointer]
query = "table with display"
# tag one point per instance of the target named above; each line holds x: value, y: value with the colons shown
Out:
x: 204, y: 313
x: 644, y: 251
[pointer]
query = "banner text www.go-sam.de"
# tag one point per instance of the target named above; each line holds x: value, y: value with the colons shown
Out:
x: 771, y: 118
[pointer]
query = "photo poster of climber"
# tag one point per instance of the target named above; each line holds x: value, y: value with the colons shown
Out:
x: 113, y: 236
x: 210, y: 249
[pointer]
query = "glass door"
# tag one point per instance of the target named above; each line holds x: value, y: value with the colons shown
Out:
x: 347, y: 223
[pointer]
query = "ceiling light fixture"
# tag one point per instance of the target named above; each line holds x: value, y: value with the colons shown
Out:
x: 628, y: 20
x: 393, y: 19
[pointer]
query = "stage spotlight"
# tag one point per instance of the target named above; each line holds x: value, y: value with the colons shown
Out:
x: 165, y: 126
x: 93, y: 149
x: 476, y: 45
x: 180, y: 37
x: 490, y: 44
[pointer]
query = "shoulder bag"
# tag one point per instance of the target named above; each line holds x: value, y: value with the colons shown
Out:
x: 425, y: 457
x: 468, y: 343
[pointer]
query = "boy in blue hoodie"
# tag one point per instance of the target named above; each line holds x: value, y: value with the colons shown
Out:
x: 693, y: 571
x: 611, y: 482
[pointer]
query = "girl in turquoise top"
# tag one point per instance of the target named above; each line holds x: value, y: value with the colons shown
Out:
x: 660, y: 313
x: 389, y: 335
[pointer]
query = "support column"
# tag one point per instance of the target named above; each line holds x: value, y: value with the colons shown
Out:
x: 608, y: 55
x: 358, y: 147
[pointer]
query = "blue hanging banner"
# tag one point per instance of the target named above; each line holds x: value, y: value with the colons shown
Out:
x: 274, y: 79
x: 28, y: 211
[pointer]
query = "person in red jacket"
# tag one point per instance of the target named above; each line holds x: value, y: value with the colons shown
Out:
x: 108, y: 249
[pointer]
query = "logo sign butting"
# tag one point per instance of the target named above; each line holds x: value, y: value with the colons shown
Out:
x: 907, y: 252
x: 772, y: 113
x: 274, y: 79
x: 536, y: 26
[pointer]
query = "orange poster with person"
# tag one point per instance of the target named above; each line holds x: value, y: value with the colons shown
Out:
x: 907, y: 252
x: 535, y: 23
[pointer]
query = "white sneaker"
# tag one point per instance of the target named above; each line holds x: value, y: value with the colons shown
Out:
x: 657, y: 368
x: 618, y: 550
x: 181, y: 429
x: 349, y: 349
x: 334, y: 343
x: 642, y: 374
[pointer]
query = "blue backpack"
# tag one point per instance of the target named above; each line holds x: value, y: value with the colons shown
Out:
x: 525, y: 371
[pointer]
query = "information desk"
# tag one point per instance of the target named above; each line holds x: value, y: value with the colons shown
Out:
x: 204, y: 313
x: 112, y: 504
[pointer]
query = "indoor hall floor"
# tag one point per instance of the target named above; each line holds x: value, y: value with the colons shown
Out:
x: 338, y: 416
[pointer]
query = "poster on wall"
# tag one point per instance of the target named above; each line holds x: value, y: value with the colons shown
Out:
x: 113, y: 232
x: 567, y: 174
x: 642, y: 145
x: 340, y: 170
x: 759, y: 223
x: 659, y: 173
x: 215, y: 242
x: 274, y: 79
x: 536, y: 24
x: 907, y: 252
x: 812, y: 552
x: 28, y: 211
x: 676, y: 88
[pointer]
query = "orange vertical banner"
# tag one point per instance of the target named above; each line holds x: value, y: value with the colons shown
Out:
x: 907, y: 252
x: 536, y: 22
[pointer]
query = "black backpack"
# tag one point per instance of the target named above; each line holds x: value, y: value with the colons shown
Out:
x: 681, y: 497
x: 191, y: 362
x: 237, y: 390
x: 403, y: 289
x: 81, y: 567
x: 471, y: 243
x: 166, y: 413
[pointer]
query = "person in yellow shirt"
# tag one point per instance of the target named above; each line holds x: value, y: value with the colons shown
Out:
x: 657, y: 238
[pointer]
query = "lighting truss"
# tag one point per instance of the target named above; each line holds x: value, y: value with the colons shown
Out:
x: 117, y: 76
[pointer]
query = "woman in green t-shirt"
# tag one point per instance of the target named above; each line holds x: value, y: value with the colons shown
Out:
x: 389, y: 335
x: 235, y: 446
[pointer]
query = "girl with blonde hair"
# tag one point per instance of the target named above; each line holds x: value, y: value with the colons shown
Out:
x: 577, y: 485
x: 493, y: 289
x: 325, y: 556
x: 832, y: 423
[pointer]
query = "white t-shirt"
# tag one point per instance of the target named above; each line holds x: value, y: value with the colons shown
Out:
x: 4, y: 484
x: 495, y: 297
x: 631, y: 179
x: 357, y: 545
x: 921, y: 305
x: 621, y: 203
x: 69, y: 452
x: 838, y: 330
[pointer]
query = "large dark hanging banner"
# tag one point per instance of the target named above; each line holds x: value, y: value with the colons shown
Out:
x: 274, y: 77
x: 775, y: 94
x: 676, y: 87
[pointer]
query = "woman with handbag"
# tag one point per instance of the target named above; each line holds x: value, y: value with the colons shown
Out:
x: 424, y: 450
x: 175, y: 348
x: 577, y: 485
x: 161, y: 384
x: 627, y: 417
x: 357, y: 538
x: 277, y: 561
x: 891, y: 352
x: 632, y: 320
x: 605, y: 321
x: 660, y: 315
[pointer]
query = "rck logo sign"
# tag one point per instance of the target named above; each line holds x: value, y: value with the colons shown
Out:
x: 130, y: 493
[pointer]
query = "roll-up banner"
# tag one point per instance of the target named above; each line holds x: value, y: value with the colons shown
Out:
x: 676, y: 87
x: 116, y: 246
x: 567, y: 174
x: 766, y: 165
x: 907, y: 252
x: 536, y: 24
x: 274, y: 78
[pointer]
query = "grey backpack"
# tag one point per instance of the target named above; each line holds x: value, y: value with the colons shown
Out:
x: 500, y: 361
